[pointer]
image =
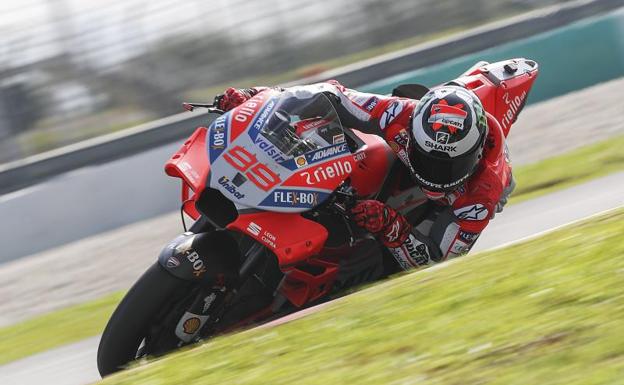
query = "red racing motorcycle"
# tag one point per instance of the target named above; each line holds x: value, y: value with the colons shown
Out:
x: 269, y: 186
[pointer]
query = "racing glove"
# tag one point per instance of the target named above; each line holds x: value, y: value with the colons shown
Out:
x: 234, y: 97
x: 382, y: 221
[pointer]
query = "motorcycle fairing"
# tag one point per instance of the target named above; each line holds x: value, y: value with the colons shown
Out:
x: 290, y: 236
x: 253, y: 172
x: 190, y: 163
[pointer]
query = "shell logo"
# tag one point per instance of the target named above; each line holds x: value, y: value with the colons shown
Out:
x: 301, y: 161
x: 191, y: 325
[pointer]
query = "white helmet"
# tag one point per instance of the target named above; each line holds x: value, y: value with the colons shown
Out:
x: 448, y: 131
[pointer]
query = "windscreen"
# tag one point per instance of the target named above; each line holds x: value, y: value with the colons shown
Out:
x: 301, y: 123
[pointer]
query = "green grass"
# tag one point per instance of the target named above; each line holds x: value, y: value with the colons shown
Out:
x: 569, y: 169
x: 56, y: 328
x: 548, y: 311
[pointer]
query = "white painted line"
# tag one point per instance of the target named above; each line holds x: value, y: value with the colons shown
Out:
x: 19, y: 193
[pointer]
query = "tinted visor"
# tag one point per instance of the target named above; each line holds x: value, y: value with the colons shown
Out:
x: 436, y: 171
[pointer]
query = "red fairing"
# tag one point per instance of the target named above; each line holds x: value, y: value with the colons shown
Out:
x: 291, y: 237
x: 502, y: 87
x: 243, y: 114
x: 190, y: 163
x: 301, y: 287
x: 373, y: 162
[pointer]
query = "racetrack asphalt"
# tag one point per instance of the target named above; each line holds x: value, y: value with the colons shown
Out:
x: 75, y: 364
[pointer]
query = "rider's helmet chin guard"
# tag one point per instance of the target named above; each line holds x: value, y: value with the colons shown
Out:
x: 448, y: 131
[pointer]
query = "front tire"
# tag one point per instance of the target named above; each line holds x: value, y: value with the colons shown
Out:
x: 134, y: 316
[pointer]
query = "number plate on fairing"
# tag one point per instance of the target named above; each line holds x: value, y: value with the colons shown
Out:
x: 279, y: 151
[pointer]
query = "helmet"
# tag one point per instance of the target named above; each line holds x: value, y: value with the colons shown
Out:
x: 448, y: 131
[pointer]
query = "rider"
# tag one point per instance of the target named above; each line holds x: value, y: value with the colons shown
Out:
x: 454, y: 150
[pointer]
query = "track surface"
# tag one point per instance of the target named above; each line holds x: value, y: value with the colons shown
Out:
x: 75, y: 364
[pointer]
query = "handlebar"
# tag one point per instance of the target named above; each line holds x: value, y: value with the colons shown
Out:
x: 210, y: 107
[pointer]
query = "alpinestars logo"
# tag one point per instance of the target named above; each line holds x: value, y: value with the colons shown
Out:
x: 476, y: 212
x: 393, y: 234
x: 391, y: 112
x: 444, y: 115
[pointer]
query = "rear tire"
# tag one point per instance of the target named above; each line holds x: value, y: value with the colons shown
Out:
x: 131, y: 321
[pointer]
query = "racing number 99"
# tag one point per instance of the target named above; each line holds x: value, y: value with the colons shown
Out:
x: 258, y: 173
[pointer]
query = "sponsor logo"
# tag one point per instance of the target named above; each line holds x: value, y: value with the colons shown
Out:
x: 239, y: 179
x: 468, y: 237
x: 417, y: 252
x: 442, y: 137
x: 198, y: 265
x: 301, y: 161
x: 459, y: 247
x: 476, y: 212
x: 440, y: 147
x: 370, y: 104
x: 269, y: 239
x: 308, y: 124
x: 401, y: 138
x: 230, y: 187
x: 514, y: 107
x: 269, y: 149
x: 393, y: 234
x: 296, y: 198
x: 340, y: 138
x: 246, y: 111
x: 401, y: 257
x: 328, y: 152
x: 402, y: 154
x: 412, y: 253
x: 208, y: 301
x: 360, y: 156
x: 217, y: 134
x: 442, y: 114
x: 254, y: 228
x: 263, y: 116
x: 437, y: 185
x: 391, y: 112
x: 506, y: 154
x: 327, y: 172
x: 173, y: 262
x: 191, y: 325
x: 188, y: 171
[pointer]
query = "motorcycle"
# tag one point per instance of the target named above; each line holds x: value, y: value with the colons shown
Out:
x: 269, y: 186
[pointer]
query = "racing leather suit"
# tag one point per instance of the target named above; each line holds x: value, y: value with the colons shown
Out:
x: 454, y: 220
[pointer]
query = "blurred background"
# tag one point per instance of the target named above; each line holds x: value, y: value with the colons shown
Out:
x: 72, y: 69
x: 90, y: 110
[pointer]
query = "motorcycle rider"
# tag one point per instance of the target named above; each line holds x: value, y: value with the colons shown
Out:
x: 454, y: 150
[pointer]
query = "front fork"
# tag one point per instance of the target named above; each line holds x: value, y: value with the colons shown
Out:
x: 210, y: 301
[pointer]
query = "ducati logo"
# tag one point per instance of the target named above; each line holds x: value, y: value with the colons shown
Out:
x: 444, y: 115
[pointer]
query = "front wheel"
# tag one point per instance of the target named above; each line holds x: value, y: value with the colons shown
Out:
x: 139, y: 312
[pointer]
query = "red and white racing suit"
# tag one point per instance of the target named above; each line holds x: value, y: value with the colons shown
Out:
x: 457, y: 218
